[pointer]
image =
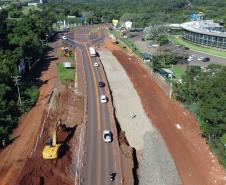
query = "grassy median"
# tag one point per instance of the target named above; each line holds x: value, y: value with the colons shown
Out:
x: 65, y: 74
x: 195, y: 47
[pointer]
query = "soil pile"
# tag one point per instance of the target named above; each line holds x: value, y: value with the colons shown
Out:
x: 68, y: 108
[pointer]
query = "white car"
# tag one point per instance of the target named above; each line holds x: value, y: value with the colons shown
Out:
x: 200, y: 58
x: 103, y: 99
x: 95, y: 64
x: 107, y: 136
x: 190, y: 59
x: 64, y: 37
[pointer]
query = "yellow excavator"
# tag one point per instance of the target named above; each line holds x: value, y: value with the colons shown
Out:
x: 52, y: 148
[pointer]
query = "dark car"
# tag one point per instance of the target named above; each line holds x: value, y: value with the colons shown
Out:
x: 101, y: 84
x: 206, y: 59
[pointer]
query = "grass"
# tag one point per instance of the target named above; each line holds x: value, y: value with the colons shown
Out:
x: 65, y: 74
x: 117, y: 34
x: 178, y: 71
x: 126, y: 42
x: 211, y: 51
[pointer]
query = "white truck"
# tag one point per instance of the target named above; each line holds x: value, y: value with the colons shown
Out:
x: 92, y: 52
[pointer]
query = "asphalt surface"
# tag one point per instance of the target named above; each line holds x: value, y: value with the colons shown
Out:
x: 143, y: 46
x: 99, y: 157
x: 213, y: 59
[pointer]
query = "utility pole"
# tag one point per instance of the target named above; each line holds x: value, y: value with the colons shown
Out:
x: 16, y: 79
x: 171, y: 82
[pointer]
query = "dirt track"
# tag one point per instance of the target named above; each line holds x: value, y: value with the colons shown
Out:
x: 12, y: 162
x: 195, y: 163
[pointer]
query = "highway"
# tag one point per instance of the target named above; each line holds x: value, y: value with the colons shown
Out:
x: 99, y: 157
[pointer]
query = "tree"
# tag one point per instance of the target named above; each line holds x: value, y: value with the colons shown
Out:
x: 154, y: 31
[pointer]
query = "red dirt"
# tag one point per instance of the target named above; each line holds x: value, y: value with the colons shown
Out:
x: 47, y: 172
x: 194, y: 161
x: 15, y: 165
x: 14, y: 156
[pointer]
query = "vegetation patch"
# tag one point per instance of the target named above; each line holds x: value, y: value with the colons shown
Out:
x: 211, y: 51
x: 65, y: 74
x: 178, y: 71
x: 27, y: 9
x: 130, y: 44
x: 20, y: 45
x: 203, y: 92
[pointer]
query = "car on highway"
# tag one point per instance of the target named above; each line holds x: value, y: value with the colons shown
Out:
x: 200, y: 58
x: 103, y: 99
x: 206, y: 59
x: 190, y: 58
x: 107, y: 136
x: 64, y: 37
x: 95, y: 64
x: 153, y: 45
x: 101, y: 84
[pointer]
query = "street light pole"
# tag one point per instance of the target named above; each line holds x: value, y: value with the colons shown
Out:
x: 16, y: 79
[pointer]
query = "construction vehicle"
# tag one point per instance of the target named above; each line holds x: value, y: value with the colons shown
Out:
x: 52, y: 148
x: 67, y: 52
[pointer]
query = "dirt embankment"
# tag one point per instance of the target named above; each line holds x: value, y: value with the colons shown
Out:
x: 15, y: 155
x: 67, y: 107
x: 194, y: 161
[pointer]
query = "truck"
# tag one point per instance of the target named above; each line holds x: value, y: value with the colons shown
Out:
x: 92, y: 52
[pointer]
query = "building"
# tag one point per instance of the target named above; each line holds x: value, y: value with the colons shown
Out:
x: 128, y: 24
x: 115, y: 22
x: 32, y: 4
x: 205, y: 32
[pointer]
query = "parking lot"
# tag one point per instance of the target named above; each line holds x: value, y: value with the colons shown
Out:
x: 213, y: 59
x: 144, y: 47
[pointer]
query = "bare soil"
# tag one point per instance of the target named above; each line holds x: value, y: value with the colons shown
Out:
x: 17, y: 165
x: 15, y: 155
x: 68, y: 108
x: 194, y: 160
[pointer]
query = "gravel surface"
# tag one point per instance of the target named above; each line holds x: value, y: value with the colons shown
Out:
x: 156, y: 164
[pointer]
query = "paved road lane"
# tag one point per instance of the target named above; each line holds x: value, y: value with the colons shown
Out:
x: 99, y: 159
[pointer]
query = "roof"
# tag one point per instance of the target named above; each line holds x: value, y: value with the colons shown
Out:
x: 207, y: 27
x: 167, y: 71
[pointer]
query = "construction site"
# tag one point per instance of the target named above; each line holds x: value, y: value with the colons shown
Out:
x: 47, y: 137
x: 60, y: 141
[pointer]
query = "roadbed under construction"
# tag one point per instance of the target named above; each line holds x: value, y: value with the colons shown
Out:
x: 67, y: 107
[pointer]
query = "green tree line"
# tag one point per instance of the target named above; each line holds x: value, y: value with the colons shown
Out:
x: 204, y: 93
x: 19, y: 38
x: 141, y: 12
